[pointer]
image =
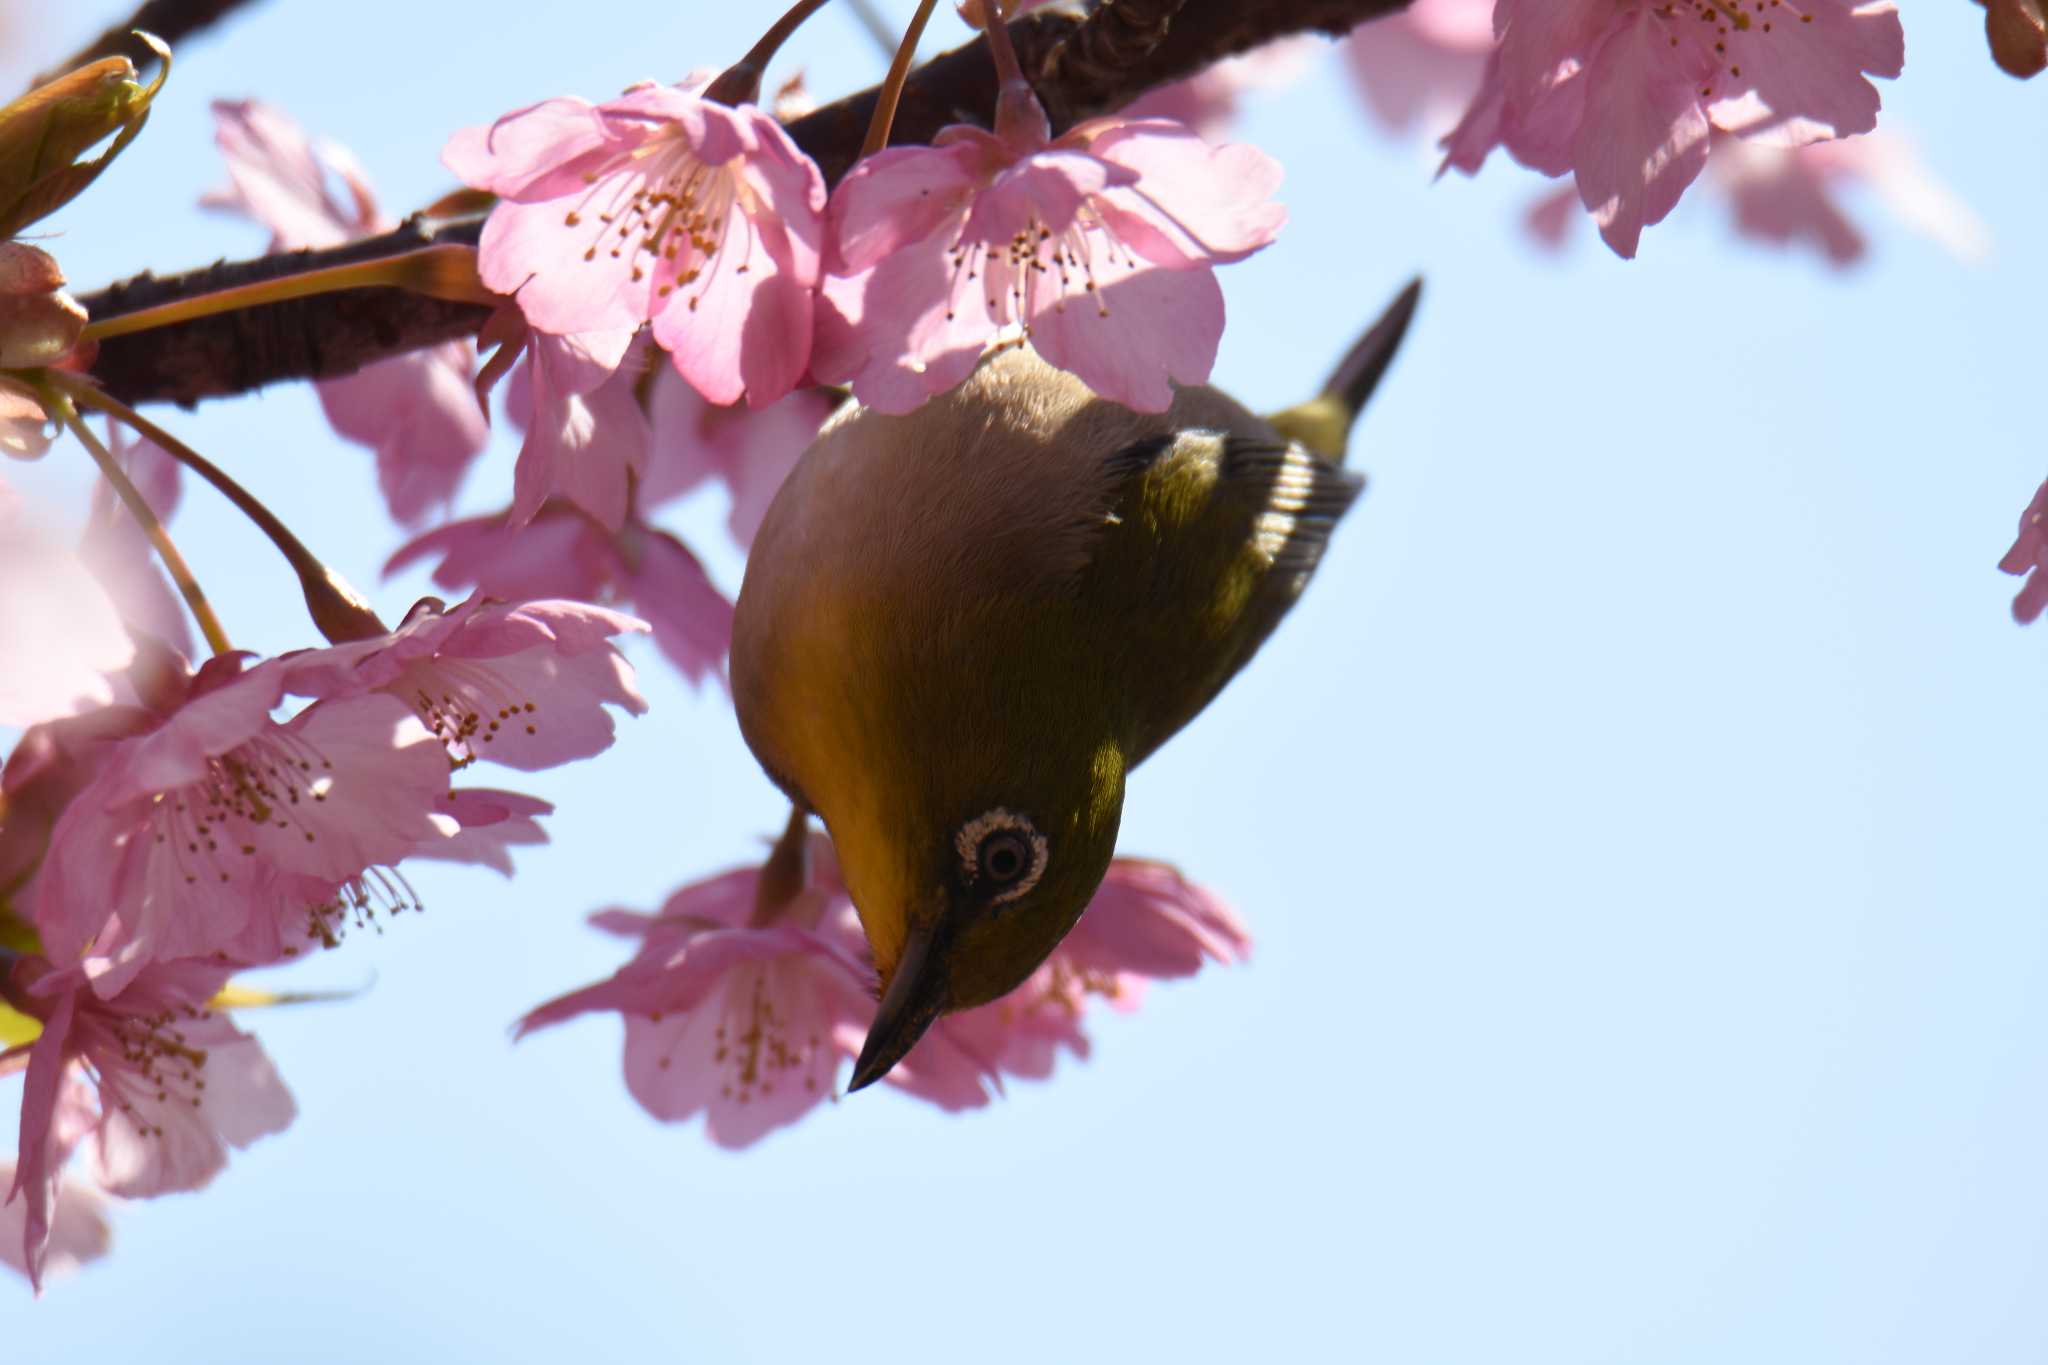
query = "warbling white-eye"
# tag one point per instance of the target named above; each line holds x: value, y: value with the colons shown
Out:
x: 961, y: 628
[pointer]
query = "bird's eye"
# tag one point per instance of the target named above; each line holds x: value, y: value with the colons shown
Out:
x: 1004, y: 857
x: 1002, y: 854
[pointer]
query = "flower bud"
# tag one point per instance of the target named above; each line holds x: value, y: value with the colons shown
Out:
x: 39, y: 322
x: 2018, y: 30
x: 45, y: 132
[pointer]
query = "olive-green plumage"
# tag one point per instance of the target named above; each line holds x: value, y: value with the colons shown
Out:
x: 961, y: 628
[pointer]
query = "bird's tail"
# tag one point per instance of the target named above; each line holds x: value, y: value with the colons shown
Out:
x: 1324, y: 422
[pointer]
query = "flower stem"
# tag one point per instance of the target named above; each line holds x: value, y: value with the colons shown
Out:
x: 892, y: 85
x: 441, y: 272
x: 740, y: 83
x: 145, y: 517
x: 1008, y: 72
x: 337, y: 609
x: 787, y: 870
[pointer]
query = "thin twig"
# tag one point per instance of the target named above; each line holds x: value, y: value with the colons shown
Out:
x: 338, y: 609
x: 145, y: 517
x: 171, y: 20
x: 884, y: 117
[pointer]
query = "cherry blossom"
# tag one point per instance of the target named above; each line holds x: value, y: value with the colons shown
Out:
x: 53, y: 1229
x: 415, y: 411
x: 1792, y: 195
x: 177, y: 1084
x: 723, y: 1002
x: 25, y: 429
x: 743, y: 1023
x: 1625, y: 94
x: 522, y: 684
x: 586, y: 434
x: 659, y: 206
x: 1096, y: 247
x: 1207, y: 101
x: 1421, y: 65
x: 78, y: 1233
x: 211, y: 833
x: 563, y: 553
x: 59, y: 633
x: 119, y: 553
x: 1146, y: 922
x: 492, y: 823
x: 750, y: 451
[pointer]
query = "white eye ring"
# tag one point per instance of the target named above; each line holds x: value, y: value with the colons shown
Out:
x: 969, y: 840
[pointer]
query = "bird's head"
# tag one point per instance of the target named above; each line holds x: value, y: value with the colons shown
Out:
x: 968, y: 875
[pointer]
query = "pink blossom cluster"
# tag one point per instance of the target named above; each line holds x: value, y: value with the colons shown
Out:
x: 746, y: 1018
x: 180, y: 824
x: 1636, y: 99
x: 707, y: 224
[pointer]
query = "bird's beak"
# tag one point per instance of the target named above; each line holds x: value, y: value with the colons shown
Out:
x: 907, y: 1009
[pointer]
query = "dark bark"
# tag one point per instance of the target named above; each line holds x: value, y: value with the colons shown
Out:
x: 1081, y: 67
x: 171, y: 20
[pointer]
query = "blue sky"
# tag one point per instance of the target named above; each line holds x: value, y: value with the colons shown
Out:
x: 1638, y: 823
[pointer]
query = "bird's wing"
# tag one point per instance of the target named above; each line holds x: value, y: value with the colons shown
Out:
x: 1211, y: 537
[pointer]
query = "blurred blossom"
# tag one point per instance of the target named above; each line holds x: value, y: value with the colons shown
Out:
x: 1420, y: 65
x: 2029, y: 556
x: 118, y: 550
x: 416, y: 410
x: 662, y: 207
x: 1207, y: 101
x: 749, y: 450
x: 1790, y: 196
x: 1624, y: 95
x: 59, y: 632
x: 78, y: 1227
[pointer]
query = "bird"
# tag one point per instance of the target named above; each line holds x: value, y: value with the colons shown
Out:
x: 959, y: 629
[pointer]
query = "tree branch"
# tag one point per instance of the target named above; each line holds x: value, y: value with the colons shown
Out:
x: 1084, y: 67
x: 171, y: 20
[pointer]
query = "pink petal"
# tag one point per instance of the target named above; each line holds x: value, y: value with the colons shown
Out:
x: 1211, y: 204
x: 899, y: 196
x: 587, y: 437
x: 493, y: 823
x: 1644, y: 138
x: 78, y: 1228
x: 59, y: 632
x: 1138, y: 329
x: 279, y: 180
x: 38, y: 1151
x: 163, y: 1140
x: 526, y: 151
x: 1148, y: 919
x: 1426, y: 58
x: 547, y: 255
x: 691, y: 618
x: 1803, y: 81
x: 561, y: 554
x: 419, y: 414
